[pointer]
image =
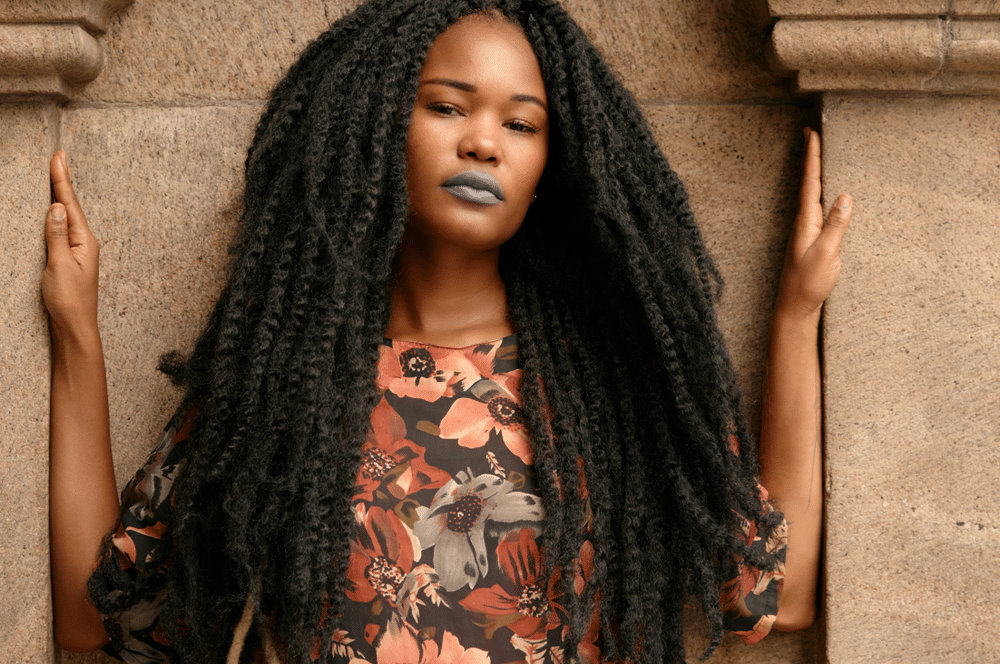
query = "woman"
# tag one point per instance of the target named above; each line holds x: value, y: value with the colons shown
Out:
x: 369, y: 464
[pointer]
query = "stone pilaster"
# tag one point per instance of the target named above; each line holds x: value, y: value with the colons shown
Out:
x: 48, y: 51
x: 911, y: 114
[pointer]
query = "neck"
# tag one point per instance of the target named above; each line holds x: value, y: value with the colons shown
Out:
x: 447, y: 297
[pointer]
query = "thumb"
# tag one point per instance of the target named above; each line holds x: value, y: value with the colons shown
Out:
x: 56, y: 231
x: 837, y: 222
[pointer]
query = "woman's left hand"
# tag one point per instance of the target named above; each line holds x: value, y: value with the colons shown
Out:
x: 812, y: 261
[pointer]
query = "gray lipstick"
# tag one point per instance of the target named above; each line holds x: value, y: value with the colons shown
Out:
x: 475, y: 187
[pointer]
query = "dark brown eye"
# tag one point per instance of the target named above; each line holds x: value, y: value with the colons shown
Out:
x: 443, y: 109
x: 522, y: 127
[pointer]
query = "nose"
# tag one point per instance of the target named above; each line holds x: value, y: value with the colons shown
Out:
x: 480, y: 142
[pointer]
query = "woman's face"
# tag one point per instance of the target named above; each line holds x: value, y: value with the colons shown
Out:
x: 479, y: 136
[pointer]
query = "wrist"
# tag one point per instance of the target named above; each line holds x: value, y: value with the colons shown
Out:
x: 78, y: 338
x: 796, y: 320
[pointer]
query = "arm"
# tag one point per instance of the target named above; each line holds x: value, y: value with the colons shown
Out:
x: 791, y: 457
x: 83, y: 503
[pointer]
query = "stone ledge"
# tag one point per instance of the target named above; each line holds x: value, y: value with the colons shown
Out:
x: 880, y: 8
x: 916, y: 54
x: 48, y: 48
x: 93, y: 15
x: 46, y: 60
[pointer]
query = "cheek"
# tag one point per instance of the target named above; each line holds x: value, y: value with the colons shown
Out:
x: 417, y: 158
x: 536, y: 170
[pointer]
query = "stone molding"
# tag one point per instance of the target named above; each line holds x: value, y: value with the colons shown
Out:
x: 860, y: 49
x: 48, y: 48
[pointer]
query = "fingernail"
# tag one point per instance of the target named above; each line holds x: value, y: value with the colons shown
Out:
x: 64, y: 161
x: 843, y: 201
x: 59, y: 215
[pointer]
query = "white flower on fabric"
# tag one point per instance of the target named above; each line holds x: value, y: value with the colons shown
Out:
x: 455, y: 524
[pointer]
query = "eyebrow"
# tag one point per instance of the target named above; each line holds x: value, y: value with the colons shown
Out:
x: 468, y: 87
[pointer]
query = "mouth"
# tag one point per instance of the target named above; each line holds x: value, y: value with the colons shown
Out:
x: 475, y: 187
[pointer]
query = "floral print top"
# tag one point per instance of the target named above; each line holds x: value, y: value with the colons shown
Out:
x: 445, y: 565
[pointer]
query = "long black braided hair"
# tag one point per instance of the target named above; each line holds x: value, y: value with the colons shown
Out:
x: 626, y: 380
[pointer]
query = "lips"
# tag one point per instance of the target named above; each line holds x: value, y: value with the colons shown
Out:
x: 475, y: 187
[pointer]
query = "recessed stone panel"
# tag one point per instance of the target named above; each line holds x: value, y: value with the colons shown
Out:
x: 912, y: 372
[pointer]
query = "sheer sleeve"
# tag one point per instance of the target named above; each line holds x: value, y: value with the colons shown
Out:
x: 750, y: 599
x: 136, y: 556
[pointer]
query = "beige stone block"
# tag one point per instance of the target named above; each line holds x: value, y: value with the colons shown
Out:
x: 28, y: 134
x: 912, y: 362
x: 161, y: 189
x: 674, y: 49
x: 204, y: 50
x: 93, y: 15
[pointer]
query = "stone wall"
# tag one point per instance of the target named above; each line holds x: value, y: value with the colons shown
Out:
x: 156, y: 101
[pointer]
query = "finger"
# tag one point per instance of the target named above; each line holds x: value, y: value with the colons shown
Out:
x: 56, y: 233
x: 837, y: 223
x: 79, y: 231
x: 812, y: 168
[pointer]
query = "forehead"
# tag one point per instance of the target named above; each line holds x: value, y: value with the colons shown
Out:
x: 485, y: 50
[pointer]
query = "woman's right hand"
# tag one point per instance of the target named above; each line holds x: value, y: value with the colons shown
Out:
x: 69, y: 283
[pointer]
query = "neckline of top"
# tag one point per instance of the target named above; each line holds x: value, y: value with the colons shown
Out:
x: 510, y: 338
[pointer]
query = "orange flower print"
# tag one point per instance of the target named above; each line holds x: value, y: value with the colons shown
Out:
x: 425, y: 372
x: 382, y: 554
x: 530, y: 610
x: 391, y: 461
x: 472, y: 421
x: 413, y: 371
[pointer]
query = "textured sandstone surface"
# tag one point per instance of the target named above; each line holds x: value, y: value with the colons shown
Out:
x: 912, y: 374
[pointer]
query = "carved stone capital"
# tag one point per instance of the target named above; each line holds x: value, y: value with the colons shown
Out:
x: 49, y: 47
x: 902, y: 45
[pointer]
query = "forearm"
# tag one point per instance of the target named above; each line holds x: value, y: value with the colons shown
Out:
x: 791, y: 457
x: 83, y: 503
